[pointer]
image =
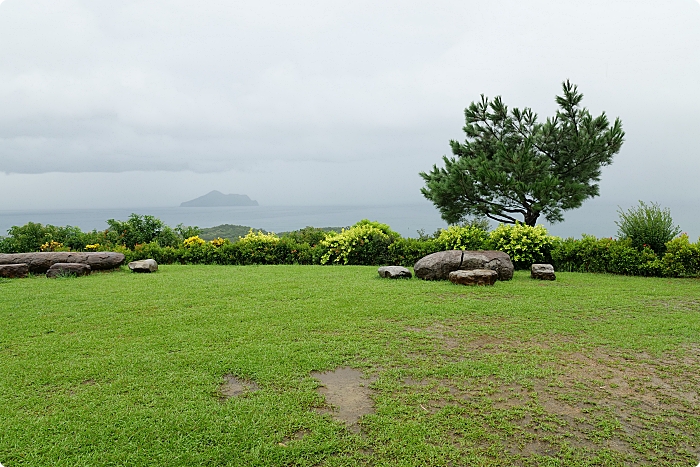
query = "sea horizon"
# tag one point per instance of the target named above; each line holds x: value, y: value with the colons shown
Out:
x: 593, y: 218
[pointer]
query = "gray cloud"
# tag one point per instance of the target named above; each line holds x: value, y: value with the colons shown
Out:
x: 249, y: 87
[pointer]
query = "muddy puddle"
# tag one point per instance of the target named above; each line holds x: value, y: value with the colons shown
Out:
x: 347, y: 393
x: 234, y: 387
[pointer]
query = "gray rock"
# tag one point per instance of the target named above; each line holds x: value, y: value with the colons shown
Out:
x: 394, y: 272
x: 474, y: 277
x: 14, y: 271
x: 145, y: 265
x: 40, y: 262
x: 543, y: 272
x: 66, y: 269
x: 438, y: 266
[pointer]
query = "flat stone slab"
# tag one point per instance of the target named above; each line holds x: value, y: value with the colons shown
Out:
x: 474, y: 277
x: 40, y: 262
x: 394, y: 272
x: 144, y: 265
x: 544, y: 272
x: 438, y: 266
x: 65, y: 269
x: 14, y: 271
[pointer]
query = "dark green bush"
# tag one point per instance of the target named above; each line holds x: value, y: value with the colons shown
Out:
x: 647, y: 226
x: 311, y: 235
x: 31, y: 236
x: 147, y: 229
x: 28, y: 237
x: 406, y: 251
x: 605, y: 255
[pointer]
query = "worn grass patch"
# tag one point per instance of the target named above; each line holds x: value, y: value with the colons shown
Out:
x: 224, y: 365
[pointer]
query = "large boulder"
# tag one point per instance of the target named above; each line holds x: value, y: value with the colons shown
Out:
x: 144, y: 265
x: 438, y: 266
x: 394, y: 272
x: 40, y: 262
x: 68, y: 269
x: 14, y: 271
x: 474, y: 277
x: 544, y: 272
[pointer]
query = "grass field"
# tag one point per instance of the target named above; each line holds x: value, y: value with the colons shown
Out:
x: 212, y: 365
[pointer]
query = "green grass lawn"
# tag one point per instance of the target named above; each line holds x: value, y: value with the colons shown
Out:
x: 126, y: 369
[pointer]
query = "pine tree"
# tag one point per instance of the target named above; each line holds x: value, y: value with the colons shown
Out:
x: 511, y: 165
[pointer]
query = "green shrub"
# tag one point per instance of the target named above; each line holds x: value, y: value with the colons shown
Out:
x: 524, y: 244
x: 28, y: 237
x: 364, y: 243
x: 605, y: 255
x: 258, y: 248
x: 310, y: 235
x: 147, y: 229
x: 647, y: 225
x: 463, y: 238
x: 585, y: 255
x: 6, y: 245
x: 378, y: 225
x: 627, y: 260
x: 162, y: 255
x: 682, y: 258
x: 406, y: 251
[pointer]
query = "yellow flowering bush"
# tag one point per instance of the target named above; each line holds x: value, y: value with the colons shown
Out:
x: 93, y: 247
x: 524, y: 244
x: 53, y: 246
x: 260, y: 238
x: 193, y: 241
x: 457, y: 237
x: 217, y: 242
x: 363, y: 243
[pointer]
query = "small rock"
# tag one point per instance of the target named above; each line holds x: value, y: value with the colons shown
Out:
x: 145, y: 265
x: 543, y: 272
x: 474, y: 277
x: 74, y: 269
x: 394, y: 272
x: 14, y: 271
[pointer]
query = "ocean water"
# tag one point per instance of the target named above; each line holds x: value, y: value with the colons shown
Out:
x: 594, y: 218
x: 405, y: 219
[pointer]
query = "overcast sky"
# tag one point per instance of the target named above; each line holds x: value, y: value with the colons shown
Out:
x: 150, y: 103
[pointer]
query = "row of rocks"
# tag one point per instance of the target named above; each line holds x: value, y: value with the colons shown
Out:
x: 40, y: 262
x: 466, y: 267
x: 56, y: 264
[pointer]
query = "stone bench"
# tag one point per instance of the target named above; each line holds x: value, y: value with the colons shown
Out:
x: 40, y: 262
x: 68, y: 269
x: 14, y: 271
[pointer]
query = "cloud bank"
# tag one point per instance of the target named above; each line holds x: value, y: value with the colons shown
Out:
x: 213, y: 87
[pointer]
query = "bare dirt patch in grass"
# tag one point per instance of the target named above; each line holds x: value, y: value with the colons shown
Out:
x: 347, y: 395
x: 234, y: 387
x: 296, y: 436
x: 638, y: 408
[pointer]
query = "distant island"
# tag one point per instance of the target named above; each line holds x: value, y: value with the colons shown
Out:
x: 217, y: 198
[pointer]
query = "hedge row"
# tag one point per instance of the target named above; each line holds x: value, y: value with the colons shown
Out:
x: 373, y: 243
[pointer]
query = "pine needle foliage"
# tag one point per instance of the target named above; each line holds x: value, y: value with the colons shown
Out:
x: 512, y: 168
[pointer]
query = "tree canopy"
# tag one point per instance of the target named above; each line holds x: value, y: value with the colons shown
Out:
x: 512, y: 168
